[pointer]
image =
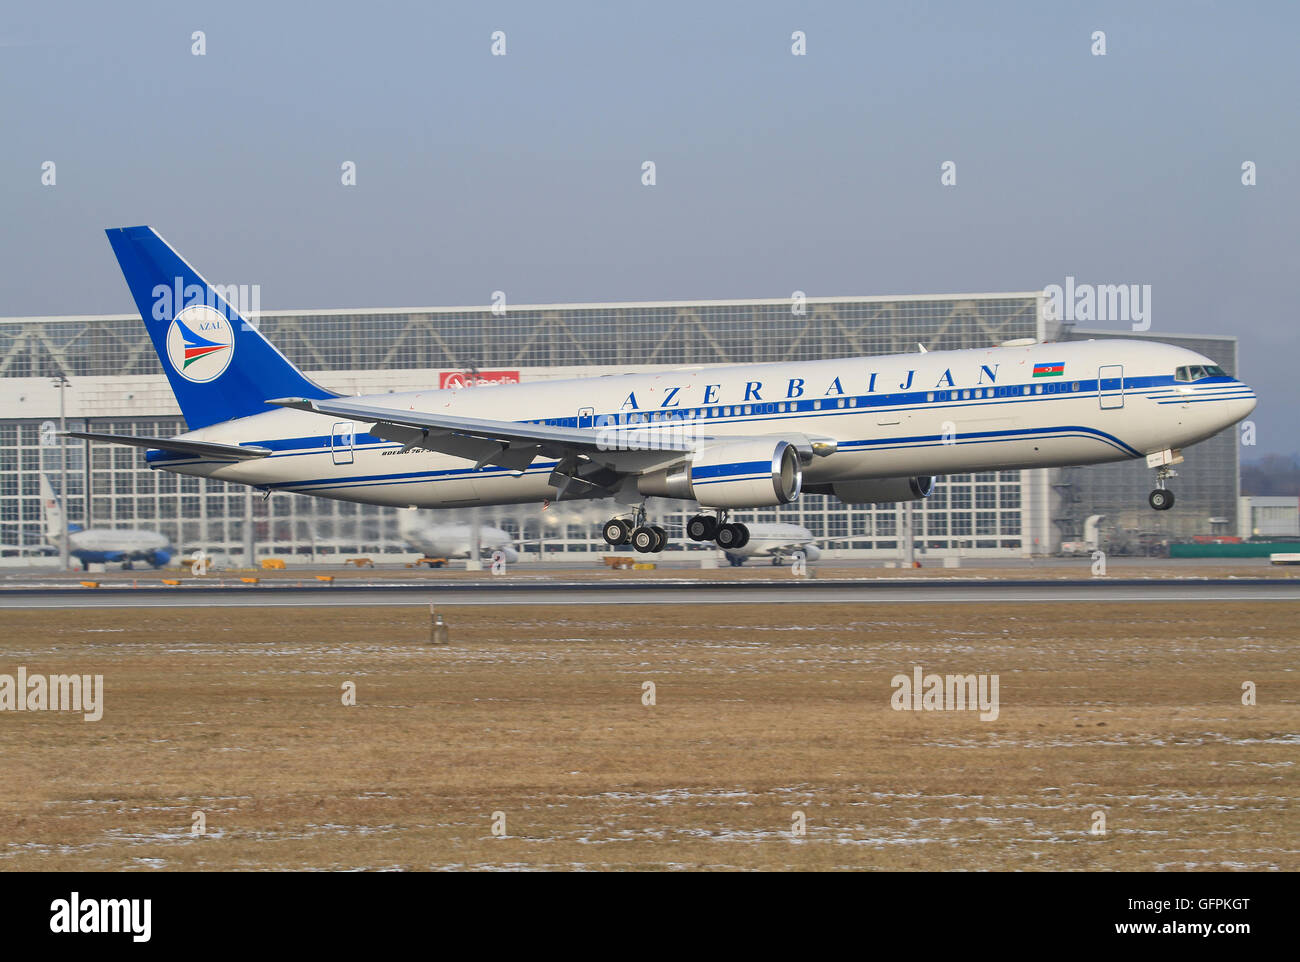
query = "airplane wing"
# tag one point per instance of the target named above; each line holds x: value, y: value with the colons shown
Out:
x: 553, y: 441
x: 207, y: 449
x: 585, y: 455
x: 434, y: 424
x: 595, y: 459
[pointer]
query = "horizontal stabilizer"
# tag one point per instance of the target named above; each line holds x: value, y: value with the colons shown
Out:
x: 206, y: 449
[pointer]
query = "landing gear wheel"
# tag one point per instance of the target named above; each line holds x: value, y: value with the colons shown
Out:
x: 732, y: 536
x: 644, y: 539
x: 727, y: 536
x: 702, y: 527
x: 1161, y: 499
x: 617, y: 532
x: 661, y: 538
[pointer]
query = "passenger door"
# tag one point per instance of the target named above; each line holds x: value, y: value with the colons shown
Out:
x: 1110, y: 386
x: 341, y: 441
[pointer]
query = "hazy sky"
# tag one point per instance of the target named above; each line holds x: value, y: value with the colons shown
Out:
x: 775, y: 172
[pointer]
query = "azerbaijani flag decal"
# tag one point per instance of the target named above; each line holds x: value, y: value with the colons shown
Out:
x: 1051, y: 369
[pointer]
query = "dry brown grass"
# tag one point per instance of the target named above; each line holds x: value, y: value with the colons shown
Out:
x: 762, y: 710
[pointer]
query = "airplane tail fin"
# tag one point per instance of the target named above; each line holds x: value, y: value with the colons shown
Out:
x: 409, y: 522
x: 52, y: 511
x: 219, y: 365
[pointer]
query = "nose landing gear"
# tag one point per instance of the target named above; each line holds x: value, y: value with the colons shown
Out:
x: 1161, y: 498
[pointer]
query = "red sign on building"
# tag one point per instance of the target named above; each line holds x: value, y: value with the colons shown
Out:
x: 455, y: 379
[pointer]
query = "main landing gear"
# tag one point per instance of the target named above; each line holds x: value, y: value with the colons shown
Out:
x: 704, y: 527
x: 1161, y: 498
x: 649, y: 538
x: 645, y: 538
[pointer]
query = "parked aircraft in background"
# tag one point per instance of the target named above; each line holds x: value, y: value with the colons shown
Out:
x: 455, y: 539
x: 862, y: 429
x: 101, y: 545
x: 775, y: 540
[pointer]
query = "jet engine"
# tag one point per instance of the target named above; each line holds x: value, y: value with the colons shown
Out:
x: 732, y: 474
x: 878, y: 490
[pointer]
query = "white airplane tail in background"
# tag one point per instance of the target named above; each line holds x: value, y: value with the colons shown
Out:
x: 56, y: 527
x: 409, y: 522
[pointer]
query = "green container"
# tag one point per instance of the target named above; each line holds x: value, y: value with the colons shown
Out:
x: 1247, y: 549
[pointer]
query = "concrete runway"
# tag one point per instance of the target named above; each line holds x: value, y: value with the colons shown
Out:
x: 661, y: 592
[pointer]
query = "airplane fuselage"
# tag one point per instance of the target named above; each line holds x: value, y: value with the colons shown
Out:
x: 777, y: 540
x: 936, y: 413
x: 456, y: 541
x: 103, y: 545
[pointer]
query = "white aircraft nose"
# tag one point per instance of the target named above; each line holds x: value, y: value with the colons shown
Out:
x: 1240, y: 407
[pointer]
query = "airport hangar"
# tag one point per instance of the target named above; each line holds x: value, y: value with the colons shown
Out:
x: 112, y: 382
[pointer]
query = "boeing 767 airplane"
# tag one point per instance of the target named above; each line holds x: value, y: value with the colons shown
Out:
x: 863, y: 429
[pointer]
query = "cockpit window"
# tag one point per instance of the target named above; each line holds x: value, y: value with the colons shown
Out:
x: 1197, y: 372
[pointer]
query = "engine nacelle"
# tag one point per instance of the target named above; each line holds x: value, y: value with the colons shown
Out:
x: 732, y: 474
x: 878, y: 490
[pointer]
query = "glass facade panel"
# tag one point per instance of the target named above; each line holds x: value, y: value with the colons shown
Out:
x: 111, y: 487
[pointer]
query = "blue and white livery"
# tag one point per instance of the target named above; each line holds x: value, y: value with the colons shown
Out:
x: 863, y: 429
x: 89, y: 546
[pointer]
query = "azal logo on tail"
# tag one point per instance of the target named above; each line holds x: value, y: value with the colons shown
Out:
x: 200, y: 343
x: 197, y: 347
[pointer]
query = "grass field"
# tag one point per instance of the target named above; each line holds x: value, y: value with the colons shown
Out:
x: 761, y: 711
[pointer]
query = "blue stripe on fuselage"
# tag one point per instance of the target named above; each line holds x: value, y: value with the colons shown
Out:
x: 797, y: 409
